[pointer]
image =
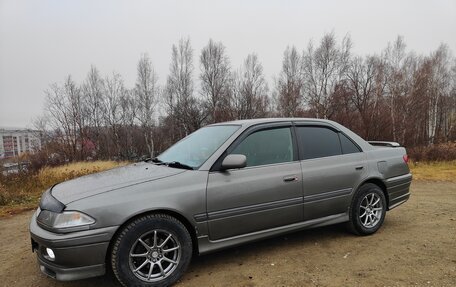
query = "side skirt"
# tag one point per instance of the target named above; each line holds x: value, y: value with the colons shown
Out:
x: 206, y: 245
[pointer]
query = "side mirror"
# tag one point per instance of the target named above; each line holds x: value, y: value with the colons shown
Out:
x: 234, y: 161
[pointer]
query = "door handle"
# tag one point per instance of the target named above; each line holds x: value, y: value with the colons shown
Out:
x: 290, y: 178
x: 359, y: 167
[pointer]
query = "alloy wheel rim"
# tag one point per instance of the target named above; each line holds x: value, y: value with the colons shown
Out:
x: 154, y: 255
x: 370, y: 210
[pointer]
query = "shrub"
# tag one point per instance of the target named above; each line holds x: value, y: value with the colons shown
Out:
x: 436, y: 152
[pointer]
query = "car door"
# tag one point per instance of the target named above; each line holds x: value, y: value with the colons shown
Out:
x: 266, y: 193
x: 332, y: 165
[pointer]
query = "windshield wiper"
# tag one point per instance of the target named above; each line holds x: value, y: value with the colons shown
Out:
x: 177, y: 164
x: 156, y: 160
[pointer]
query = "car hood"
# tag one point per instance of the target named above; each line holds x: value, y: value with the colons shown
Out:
x: 93, y: 184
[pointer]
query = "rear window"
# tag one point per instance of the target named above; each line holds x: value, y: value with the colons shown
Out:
x: 316, y: 142
x: 347, y: 145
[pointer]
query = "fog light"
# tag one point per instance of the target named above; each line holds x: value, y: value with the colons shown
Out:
x: 50, y: 253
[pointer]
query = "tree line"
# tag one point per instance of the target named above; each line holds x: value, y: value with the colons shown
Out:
x: 395, y: 95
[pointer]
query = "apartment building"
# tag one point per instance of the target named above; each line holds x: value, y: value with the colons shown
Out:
x: 14, y: 142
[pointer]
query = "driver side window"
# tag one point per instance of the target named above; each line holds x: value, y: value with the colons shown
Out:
x: 267, y: 147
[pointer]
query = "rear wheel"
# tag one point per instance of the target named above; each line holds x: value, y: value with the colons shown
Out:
x: 153, y: 250
x: 368, y: 210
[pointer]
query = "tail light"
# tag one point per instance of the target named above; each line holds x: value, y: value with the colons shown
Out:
x: 406, y: 158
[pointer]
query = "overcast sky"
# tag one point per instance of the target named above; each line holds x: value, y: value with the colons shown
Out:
x: 42, y: 41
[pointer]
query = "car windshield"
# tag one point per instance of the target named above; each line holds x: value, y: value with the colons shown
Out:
x: 197, y: 147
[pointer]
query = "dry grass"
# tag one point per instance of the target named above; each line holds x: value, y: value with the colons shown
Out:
x: 48, y: 176
x: 436, y: 171
x: 22, y: 191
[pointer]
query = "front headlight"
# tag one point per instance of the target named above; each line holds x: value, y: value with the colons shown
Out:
x: 66, y: 221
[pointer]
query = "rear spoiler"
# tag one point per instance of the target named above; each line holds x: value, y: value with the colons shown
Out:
x: 387, y: 144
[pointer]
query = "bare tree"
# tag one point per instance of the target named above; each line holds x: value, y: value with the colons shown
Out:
x: 92, y: 104
x: 451, y: 118
x: 182, y: 105
x: 440, y: 93
x: 113, y: 91
x: 215, y: 80
x: 290, y: 84
x: 361, y: 84
x: 324, y: 68
x: 147, y: 96
x: 250, y: 90
x: 64, y: 109
x: 401, y: 69
x: 128, y: 111
x: 395, y: 55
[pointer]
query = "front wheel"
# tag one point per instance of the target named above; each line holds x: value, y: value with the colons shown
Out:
x: 368, y: 210
x: 153, y: 250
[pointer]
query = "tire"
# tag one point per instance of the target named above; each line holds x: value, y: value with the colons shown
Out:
x: 368, y: 209
x: 153, y: 250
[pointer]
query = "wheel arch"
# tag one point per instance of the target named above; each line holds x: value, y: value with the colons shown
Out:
x: 191, y: 230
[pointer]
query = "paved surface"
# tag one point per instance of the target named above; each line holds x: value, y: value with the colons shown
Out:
x: 415, y: 247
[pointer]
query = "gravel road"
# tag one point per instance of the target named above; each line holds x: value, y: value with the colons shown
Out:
x: 415, y: 247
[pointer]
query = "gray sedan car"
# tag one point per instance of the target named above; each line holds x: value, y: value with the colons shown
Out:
x: 223, y: 185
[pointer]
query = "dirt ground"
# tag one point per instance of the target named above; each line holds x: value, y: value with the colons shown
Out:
x: 415, y: 247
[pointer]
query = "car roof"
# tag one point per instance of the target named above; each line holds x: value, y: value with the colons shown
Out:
x: 250, y: 122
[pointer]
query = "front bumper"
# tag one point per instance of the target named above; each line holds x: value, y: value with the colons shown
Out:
x: 67, y: 274
x: 78, y: 255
